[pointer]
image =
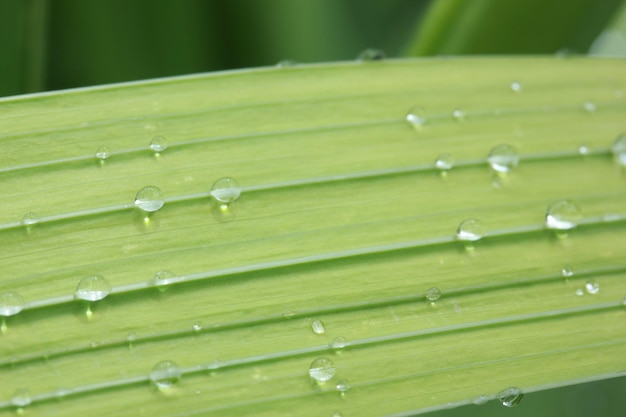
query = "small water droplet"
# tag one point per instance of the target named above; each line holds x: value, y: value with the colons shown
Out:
x: 158, y: 144
x: 343, y: 386
x: 563, y: 215
x: 624, y: 302
x: 416, y: 118
x: 584, y: 150
x: 149, y: 199
x: 338, y: 343
x: 592, y: 287
x: 92, y: 288
x: 196, y: 327
x: 470, y: 230
x: 579, y: 292
x: 226, y: 190
x: 21, y: 398
x: 516, y: 87
x: 372, y: 54
x: 322, y: 370
x: 30, y: 219
x: 11, y: 303
x: 444, y: 162
x: 433, y: 294
x: 590, y: 106
x: 103, y: 153
x: 162, y: 279
x: 480, y: 400
x: 337, y: 414
x: 458, y: 115
x: 619, y: 149
x: 503, y: 158
x: 165, y: 375
x: 567, y: 271
x: 289, y: 314
x: 510, y: 397
x: 318, y: 327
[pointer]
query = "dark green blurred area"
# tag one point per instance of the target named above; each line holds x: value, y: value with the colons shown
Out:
x: 56, y: 44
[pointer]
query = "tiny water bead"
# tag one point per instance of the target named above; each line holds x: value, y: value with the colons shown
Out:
x: 318, y: 327
x: 579, y: 292
x: 322, y: 370
x: 516, y: 87
x: 165, y: 375
x: 503, y: 158
x: 592, y: 287
x: 92, y: 288
x: 567, y: 271
x: 584, y: 150
x: 510, y: 397
x: 103, y: 153
x: 158, y: 144
x: 433, y: 294
x: 149, y: 199
x: 372, y: 54
x: 416, y: 118
x: 343, y: 386
x: 470, y: 230
x: 30, y: 219
x: 11, y: 303
x: 196, y: 326
x: 163, y: 278
x: 619, y: 149
x: 458, y: 115
x: 338, y: 343
x: 444, y: 162
x: 21, y: 398
x: 590, y: 106
x: 226, y: 190
x: 563, y: 215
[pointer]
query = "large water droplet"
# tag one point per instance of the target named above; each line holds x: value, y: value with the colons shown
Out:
x: 226, y: 190
x: 103, y: 153
x: 30, y: 219
x: 503, y: 158
x: 416, y: 117
x: 21, y: 398
x: 149, y: 199
x: 619, y: 149
x: 592, y: 287
x: 516, y: 87
x: 318, y: 327
x: 510, y: 397
x: 563, y: 215
x: 11, y: 303
x: 322, y: 370
x: 93, y: 288
x: 470, y: 230
x: 158, y: 144
x: 433, y: 294
x: 165, y: 375
x: 163, y: 278
x: 444, y: 162
x: 372, y: 54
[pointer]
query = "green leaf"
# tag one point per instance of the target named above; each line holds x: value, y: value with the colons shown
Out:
x: 343, y: 218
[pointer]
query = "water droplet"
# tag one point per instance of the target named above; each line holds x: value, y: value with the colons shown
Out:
x: 579, y: 292
x: 592, y: 287
x: 103, y: 153
x: 286, y: 63
x: 226, y: 190
x: 458, y: 115
x: 322, y: 370
x: 624, y: 302
x: 590, y: 106
x: 343, y: 386
x: 584, y: 150
x: 470, y: 230
x: 158, y: 144
x: 149, y: 199
x: 337, y: 414
x: 11, y: 303
x: 619, y: 149
x: 289, y: 314
x: 433, y: 294
x: 30, y: 219
x: 444, y: 162
x: 21, y: 398
x: 318, y: 327
x: 480, y: 400
x: 567, y: 271
x: 372, y: 54
x: 416, y: 118
x: 503, y: 158
x: 92, y: 288
x: 163, y: 278
x: 510, y: 397
x: 563, y: 215
x: 165, y: 375
x: 338, y: 343
x: 196, y: 327
x: 516, y: 87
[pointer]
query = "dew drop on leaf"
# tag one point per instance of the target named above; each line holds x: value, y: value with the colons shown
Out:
x: 372, y: 54
x: 92, y: 288
x: 563, y: 215
x: 619, y: 149
x: 433, y: 294
x: 21, y: 398
x: 103, y: 153
x: 322, y: 370
x: 503, y: 158
x: 318, y: 327
x: 30, y: 219
x: 516, y: 87
x: 225, y: 190
x: 416, y: 117
x: 444, y: 162
x: 165, y: 375
x: 510, y: 397
x: 592, y: 287
x: 158, y: 144
x: 11, y: 303
x: 470, y: 230
x: 149, y: 199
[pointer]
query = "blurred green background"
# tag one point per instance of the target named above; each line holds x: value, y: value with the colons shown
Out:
x: 56, y: 44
